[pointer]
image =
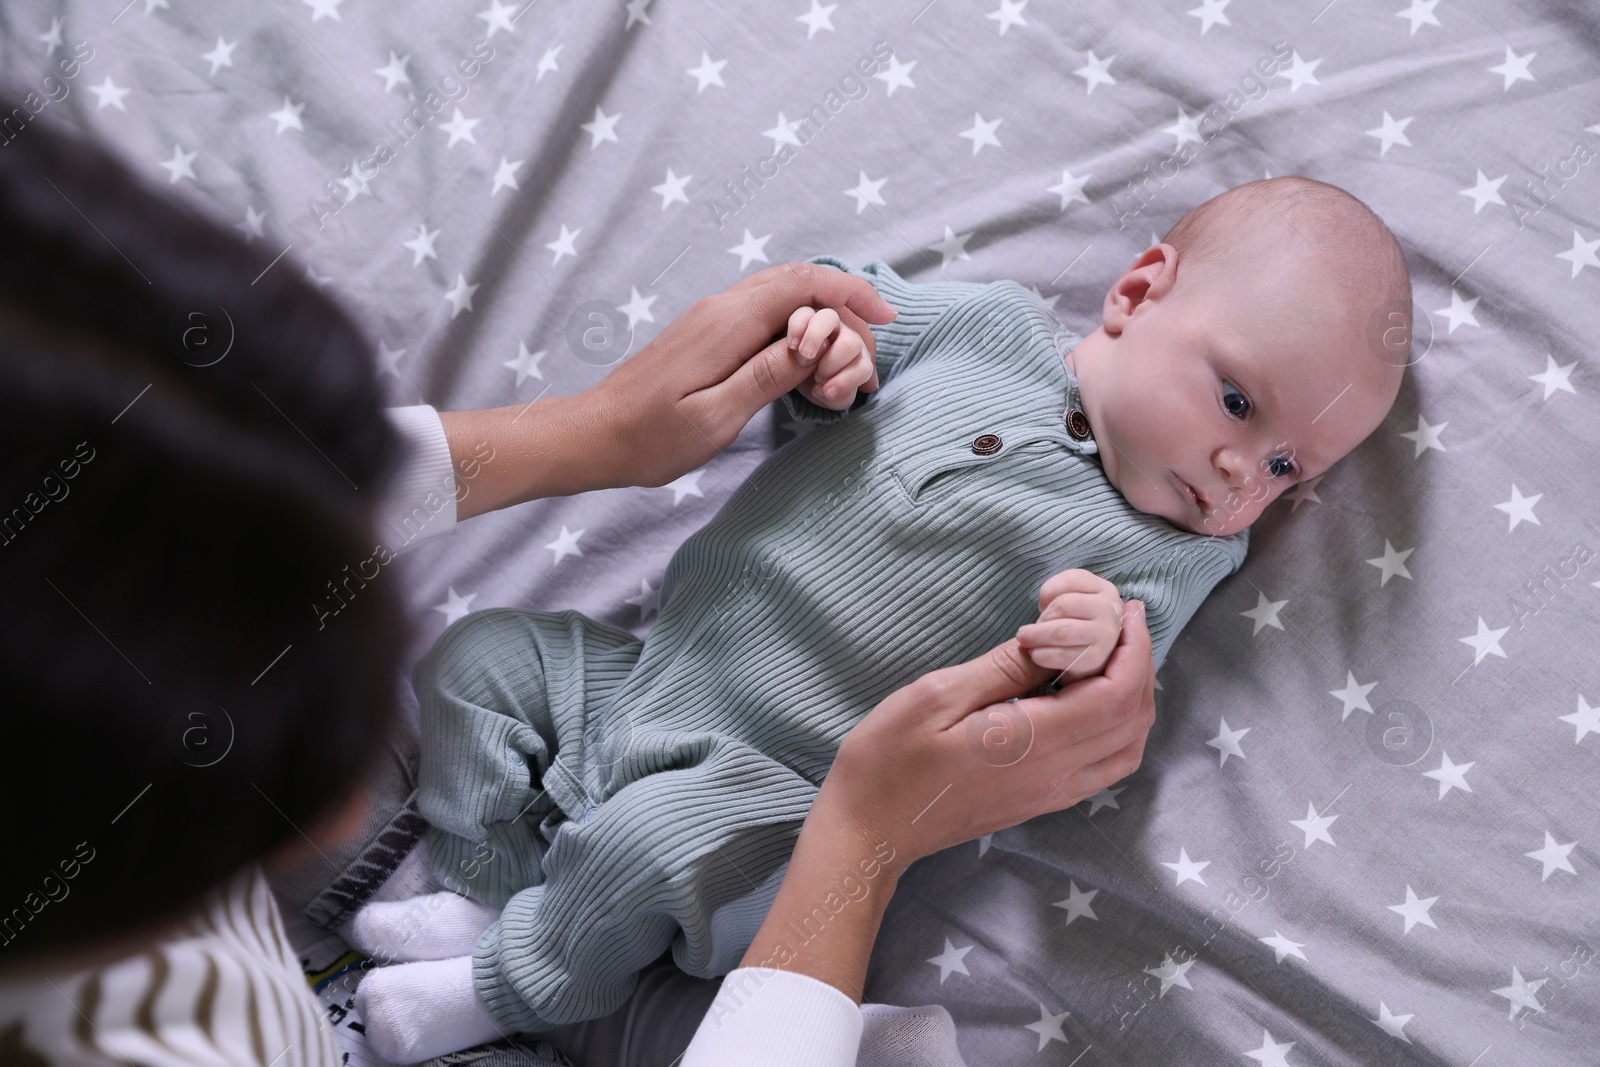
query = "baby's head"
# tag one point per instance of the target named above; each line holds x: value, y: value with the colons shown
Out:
x: 1260, y: 341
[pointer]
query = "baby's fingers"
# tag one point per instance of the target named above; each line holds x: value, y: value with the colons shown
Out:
x: 817, y: 333
x: 797, y: 325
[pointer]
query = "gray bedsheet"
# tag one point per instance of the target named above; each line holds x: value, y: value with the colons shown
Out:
x: 1366, y: 826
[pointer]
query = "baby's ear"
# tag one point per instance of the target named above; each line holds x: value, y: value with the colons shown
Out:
x: 1151, y: 277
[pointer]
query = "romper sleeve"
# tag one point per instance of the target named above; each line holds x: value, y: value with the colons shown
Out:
x: 1174, y: 580
x: 919, y: 306
x: 777, y: 1019
x: 419, y: 504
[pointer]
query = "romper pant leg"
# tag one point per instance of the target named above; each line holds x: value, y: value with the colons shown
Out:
x: 499, y: 695
x: 689, y: 857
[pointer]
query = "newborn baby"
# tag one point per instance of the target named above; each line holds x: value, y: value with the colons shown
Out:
x: 596, y: 800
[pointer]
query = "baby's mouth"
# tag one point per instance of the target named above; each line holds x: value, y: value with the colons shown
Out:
x: 1192, y: 494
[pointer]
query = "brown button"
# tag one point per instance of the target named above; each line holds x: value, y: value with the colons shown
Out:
x: 986, y: 444
x: 1077, y: 424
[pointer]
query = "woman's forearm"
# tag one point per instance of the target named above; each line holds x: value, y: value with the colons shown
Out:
x: 504, y: 456
x: 827, y: 912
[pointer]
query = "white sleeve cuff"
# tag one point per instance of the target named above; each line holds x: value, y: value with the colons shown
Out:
x: 777, y: 1019
x: 420, y: 504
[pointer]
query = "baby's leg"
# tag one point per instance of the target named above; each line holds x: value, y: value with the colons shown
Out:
x: 500, y: 695
x: 686, y: 857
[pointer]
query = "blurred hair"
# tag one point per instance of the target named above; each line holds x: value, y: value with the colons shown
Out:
x: 165, y: 527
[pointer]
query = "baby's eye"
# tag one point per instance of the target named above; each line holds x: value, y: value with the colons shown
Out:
x: 1236, y: 402
x: 1280, y: 466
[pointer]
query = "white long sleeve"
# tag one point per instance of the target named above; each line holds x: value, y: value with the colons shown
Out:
x: 420, y: 505
x: 777, y: 1019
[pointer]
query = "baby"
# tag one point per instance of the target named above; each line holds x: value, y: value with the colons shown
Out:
x: 596, y: 800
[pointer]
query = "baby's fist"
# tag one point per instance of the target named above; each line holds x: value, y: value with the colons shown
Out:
x: 1080, y: 619
x: 843, y: 358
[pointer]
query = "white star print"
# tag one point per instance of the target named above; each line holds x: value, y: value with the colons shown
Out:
x: 1070, y: 189
x: 563, y: 245
x: 1420, y: 12
x: 288, y: 116
x: 1555, y: 378
x: 648, y: 601
x: 389, y: 359
x: 950, y: 961
x: 1188, y: 869
x: 1586, y: 719
x: 1048, y: 301
x: 1185, y: 129
x: 180, y: 165
x: 688, y: 485
x: 220, y: 56
x: 1300, y: 72
x: 1391, y: 563
x: 1096, y: 71
x: 1048, y: 1027
x: 1171, y: 973
x: 1353, y: 695
x: 1271, y: 1054
x: 1227, y: 742
x: 1106, y: 798
x: 1459, y: 311
x: 1415, y: 910
x: 566, y: 545
x: 1305, y: 492
x: 319, y: 9
x: 1485, y: 642
x: 1390, y: 1023
x: 1485, y: 191
x: 1282, y: 947
x: 1426, y: 436
x: 636, y: 13
x: 672, y: 190
x: 456, y: 607
x: 1520, y: 508
x: 1552, y: 856
x: 817, y: 18
x: 251, y: 226
x: 1009, y: 14
x: 1077, y: 903
x: 602, y: 128
x: 459, y: 128
x: 782, y: 133
x: 1315, y: 826
x: 1391, y: 133
x: 1210, y: 13
x: 1580, y: 255
x: 866, y: 192
x: 1514, y: 69
x: 1450, y: 775
x: 358, y: 179
x: 316, y: 279
x: 981, y: 133
x: 707, y: 73
x: 108, y: 93
x: 637, y: 308
x: 460, y: 296
x: 51, y: 38
x: 1521, y: 993
x: 953, y: 247
x: 547, y: 62
x: 984, y: 844
x: 497, y: 17
x: 897, y: 75
x: 526, y: 364
x: 1265, y: 613
x: 751, y: 248
x: 394, y: 72
x: 505, y: 175
x: 151, y: 5
x: 421, y: 245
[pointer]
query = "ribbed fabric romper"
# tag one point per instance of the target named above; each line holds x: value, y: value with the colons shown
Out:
x: 621, y: 797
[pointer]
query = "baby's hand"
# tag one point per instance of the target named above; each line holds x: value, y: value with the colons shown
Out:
x: 1080, y: 620
x: 843, y: 358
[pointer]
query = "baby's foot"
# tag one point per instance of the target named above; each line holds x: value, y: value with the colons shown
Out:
x: 416, y: 1011
x: 439, y: 926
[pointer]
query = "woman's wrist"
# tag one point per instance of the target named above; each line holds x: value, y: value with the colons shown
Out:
x: 555, y: 446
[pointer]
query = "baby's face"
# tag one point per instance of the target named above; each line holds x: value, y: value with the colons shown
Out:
x: 1208, y: 403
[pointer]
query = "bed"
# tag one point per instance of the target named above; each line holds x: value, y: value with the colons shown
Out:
x: 1366, y: 827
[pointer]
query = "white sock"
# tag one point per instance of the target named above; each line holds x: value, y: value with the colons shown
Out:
x: 416, y: 1011
x: 439, y: 926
